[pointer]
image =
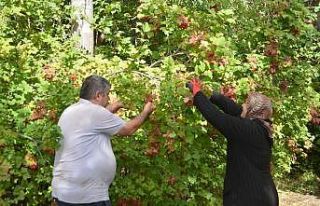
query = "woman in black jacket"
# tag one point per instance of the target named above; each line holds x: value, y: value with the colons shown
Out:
x: 248, y: 181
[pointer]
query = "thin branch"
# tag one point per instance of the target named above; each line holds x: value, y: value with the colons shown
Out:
x: 155, y: 63
x: 159, y: 61
x: 116, y: 72
x: 151, y: 66
x: 147, y: 75
x: 27, y: 137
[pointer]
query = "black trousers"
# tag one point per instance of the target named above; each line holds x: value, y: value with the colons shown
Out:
x: 102, y: 203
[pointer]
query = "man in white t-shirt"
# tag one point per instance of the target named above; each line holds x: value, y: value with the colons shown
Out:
x: 85, y: 165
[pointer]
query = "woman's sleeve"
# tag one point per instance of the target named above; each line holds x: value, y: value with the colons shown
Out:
x: 227, y: 124
x: 226, y: 104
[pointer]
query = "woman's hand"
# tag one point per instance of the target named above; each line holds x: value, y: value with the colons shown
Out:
x: 195, y: 86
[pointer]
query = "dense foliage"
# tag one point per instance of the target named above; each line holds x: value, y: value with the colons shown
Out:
x: 155, y: 46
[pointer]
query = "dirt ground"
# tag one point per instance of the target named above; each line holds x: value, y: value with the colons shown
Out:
x: 297, y: 199
x: 290, y: 199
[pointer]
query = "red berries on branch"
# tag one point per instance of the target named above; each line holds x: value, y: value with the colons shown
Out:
x: 49, y: 72
x: 196, y: 38
x: 172, y: 180
x: 183, y: 22
x: 212, y: 58
x: 271, y: 49
x: 229, y: 91
x: 274, y: 65
x: 315, y: 116
x: 30, y: 161
x: 284, y: 86
x: 39, y: 112
x: 129, y: 202
x: 153, y: 149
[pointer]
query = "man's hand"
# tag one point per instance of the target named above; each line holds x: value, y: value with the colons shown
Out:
x: 115, y: 106
x: 118, y: 104
x: 148, y: 107
x: 131, y: 126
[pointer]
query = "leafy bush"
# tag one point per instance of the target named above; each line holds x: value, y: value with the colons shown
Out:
x: 154, y: 47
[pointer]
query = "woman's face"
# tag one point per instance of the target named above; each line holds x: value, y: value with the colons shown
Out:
x: 244, y: 110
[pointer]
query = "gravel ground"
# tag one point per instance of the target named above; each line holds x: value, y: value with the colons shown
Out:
x: 297, y: 199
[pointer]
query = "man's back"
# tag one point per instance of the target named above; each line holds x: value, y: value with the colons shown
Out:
x: 85, y: 164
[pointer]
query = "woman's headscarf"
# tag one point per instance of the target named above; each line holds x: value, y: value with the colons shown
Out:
x: 259, y: 107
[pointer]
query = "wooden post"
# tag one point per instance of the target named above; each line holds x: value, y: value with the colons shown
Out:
x: 84, y: 13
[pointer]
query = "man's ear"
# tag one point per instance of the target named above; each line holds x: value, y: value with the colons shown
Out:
x: 97, y: 95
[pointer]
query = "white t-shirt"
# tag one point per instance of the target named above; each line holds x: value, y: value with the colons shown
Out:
x: 85, y: 165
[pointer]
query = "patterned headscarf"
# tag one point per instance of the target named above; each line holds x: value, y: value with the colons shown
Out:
x: 259, y: 107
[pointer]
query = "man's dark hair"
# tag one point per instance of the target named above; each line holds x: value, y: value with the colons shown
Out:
x: 93, y: 84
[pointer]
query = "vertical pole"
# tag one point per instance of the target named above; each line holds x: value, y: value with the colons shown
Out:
x: 84, y: 13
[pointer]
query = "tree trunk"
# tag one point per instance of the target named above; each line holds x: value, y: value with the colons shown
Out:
x: 84, y: 13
